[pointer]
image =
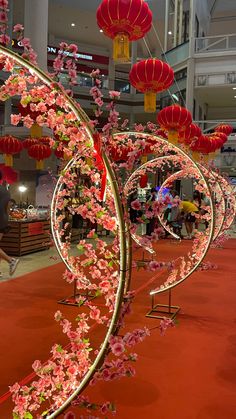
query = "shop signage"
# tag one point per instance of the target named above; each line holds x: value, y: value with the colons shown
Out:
x: 35, y: 228
x: 80, y: 56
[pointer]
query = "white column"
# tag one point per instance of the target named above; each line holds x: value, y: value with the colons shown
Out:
x: 190, y: 85
x: 180, y: 24
x: 176, y: 15
x: 36, y: 28
x: 167, y: 8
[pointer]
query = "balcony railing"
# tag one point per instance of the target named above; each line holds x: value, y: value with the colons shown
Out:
x: 214, y: 79
x: 215, y: 43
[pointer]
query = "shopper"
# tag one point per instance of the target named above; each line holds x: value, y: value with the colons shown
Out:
x: 189, y: 209
x: 4, y: 227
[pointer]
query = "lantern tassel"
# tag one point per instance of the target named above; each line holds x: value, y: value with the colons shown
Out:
x: 39, y: 164
x: 144, y: 159
x: 8, y: 160
x: 173, y: 137
x: 121, y: 48
x: 36, y: 131
x: 150, y: 102
x: 196, y: 156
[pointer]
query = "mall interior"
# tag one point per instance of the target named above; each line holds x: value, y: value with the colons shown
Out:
x: 117, y: 209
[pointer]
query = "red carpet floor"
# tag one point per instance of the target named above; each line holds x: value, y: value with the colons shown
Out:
x: 188, y: 374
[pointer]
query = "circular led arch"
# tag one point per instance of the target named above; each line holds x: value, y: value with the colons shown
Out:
x: 82, y: 117
x: 178, y: 151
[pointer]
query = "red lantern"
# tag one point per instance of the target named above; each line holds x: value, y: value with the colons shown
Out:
x: 226, y: 129
x: 39, y: 152
x: 59, y: 153
x: 191, y: 133
x: 45, y: 140
x: 124, y: 21
x: 143, y: 181
x: 150, y: 77
x: 174, y: 118
x: 221, y: 138
x: 10, y: 145
x: 9, y: 174
x: 28, y: 142
x: 120, y: 152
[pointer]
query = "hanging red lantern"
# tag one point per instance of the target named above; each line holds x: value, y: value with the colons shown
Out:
x: 120, y: 152
x: 124, y: 21
x: 191, y: 133
x: 59, y: 153
x: 28, y: 142
x: 45, y: 140
x: 221, y: 138
x: 143, y: 181
x: 150, y: 77
x: 39, y: 152
x: 226, y: 129
x: 9, y: 146
x: 9, y: 174
x: 174, y: 118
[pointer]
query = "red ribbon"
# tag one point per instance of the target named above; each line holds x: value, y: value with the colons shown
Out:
x: 99, y: 163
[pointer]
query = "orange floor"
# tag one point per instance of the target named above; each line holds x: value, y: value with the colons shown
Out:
x: 188, y: 374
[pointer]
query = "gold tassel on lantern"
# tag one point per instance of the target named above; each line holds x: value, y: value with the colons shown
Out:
x: 36, y: 131
x: 206, y: 158
x: 144, y: 159
x: 8, y: 160
x: 150, y: 102
x: 39, y: 164
x: 196, y: 155
x: 121, y: 48
x: 173, y: 137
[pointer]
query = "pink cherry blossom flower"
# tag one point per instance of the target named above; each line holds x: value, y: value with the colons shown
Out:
x: 3, y: 4
x: 4, y: 39
x: 136, y: 205
x: 25, y: 42
x: 117, y: 348
x: 114, y: 94
x: 18, y: 28
x: 73, y: 48
x: 15, y: 119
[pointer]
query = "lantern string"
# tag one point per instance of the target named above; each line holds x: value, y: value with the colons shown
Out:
x: 149, y: 51
x: 164, y: 54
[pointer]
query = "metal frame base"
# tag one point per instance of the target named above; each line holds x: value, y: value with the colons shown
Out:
x: 87, y: 294
x: 65, y: 301
x: 168, y: 311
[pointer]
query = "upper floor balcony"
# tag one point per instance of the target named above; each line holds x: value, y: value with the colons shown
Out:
x: 215, y: 44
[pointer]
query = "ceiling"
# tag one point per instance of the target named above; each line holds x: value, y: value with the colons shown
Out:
x: 83, y: 14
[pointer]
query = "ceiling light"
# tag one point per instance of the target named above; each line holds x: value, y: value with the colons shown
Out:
x: 234, y: 88
x: 101, y: 30
x: 169, y: 33
x: 73, y: 24
x: 235, y: 97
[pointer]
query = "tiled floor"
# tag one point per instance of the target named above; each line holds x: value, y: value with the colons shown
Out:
x: 31, y: 262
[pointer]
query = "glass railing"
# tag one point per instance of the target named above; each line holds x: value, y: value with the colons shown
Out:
x: 84, y: 80
x: 177, y: 54
x: 215, y: 43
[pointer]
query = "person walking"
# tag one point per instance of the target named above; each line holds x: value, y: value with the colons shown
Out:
x: 4, y: 227
x: 188, y: 208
